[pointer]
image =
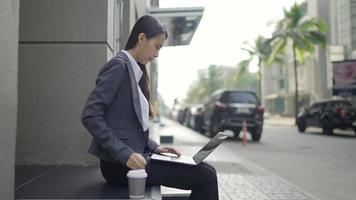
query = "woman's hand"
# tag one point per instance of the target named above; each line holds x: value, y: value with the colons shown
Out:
x: 165, y: 149
x: 136, y: 161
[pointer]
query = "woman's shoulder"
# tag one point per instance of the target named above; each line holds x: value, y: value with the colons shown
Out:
x: 117, y: 63
x: 120, y: 58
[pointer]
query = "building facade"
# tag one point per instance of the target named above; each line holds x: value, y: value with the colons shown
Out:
x: 346, y: 26
x: 315, y: 75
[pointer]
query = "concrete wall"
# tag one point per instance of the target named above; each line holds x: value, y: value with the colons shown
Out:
x: 63, y: 44
x: 9, y: 24
x: 54, y: 81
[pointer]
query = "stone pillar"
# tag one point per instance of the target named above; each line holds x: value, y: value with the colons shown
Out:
x: 9, y: 26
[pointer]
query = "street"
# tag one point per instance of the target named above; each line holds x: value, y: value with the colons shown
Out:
x: 323, y: 166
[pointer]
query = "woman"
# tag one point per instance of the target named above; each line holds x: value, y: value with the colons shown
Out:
x: 116, y: 115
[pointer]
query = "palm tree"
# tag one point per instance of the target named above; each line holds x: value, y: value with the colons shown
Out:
x: 205, y: 85
x: 256, y: 51
x: 303, y: 34
x: 260, y: 51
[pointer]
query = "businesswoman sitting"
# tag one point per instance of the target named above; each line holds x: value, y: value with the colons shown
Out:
x: 117, y: 113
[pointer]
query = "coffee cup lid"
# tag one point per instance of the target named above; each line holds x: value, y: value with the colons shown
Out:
x: 137, y: 173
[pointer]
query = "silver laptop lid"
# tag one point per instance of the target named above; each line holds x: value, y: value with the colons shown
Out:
x: 210, y: 147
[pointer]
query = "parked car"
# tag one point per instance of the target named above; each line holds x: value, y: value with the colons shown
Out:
x: 227, y: 110
x: 328, y: 115
x: 196, y: 120
x: 183, y: 116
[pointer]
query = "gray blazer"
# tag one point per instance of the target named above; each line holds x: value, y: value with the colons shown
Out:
x: 112, y: 114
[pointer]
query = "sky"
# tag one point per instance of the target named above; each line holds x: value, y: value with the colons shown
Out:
x: 223, y: 29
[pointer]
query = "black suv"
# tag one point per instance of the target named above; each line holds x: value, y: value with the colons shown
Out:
x: 328, y: 115
x: 227, y: 110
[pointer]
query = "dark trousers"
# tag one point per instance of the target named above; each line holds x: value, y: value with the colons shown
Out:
x: 200, y: 179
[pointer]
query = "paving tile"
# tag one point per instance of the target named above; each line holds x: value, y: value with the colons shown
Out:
x: 238, y: 179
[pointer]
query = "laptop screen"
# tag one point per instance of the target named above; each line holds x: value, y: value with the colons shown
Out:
x: 209, y: 147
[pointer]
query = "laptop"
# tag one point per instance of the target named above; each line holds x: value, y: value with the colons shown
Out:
x: 198, y: 157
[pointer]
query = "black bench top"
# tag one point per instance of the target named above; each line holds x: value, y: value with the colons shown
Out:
x: 69, y: 182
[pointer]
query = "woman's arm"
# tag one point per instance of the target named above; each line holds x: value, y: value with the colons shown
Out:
x: 152, y: 145
x: 107, y: 84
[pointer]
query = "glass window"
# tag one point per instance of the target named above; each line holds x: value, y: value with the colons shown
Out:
x: 281, y: 84
x: 225, y: 98
x: 315, y: 108
x: 342, y: 104
x: 241, y: 97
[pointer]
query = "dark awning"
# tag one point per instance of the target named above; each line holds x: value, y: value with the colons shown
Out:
x: 180, y: 23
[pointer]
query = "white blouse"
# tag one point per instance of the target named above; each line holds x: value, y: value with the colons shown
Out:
x: 143, y: 101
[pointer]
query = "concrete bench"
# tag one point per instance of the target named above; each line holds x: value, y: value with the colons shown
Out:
x: 69, y: 182
x: 174, y: 194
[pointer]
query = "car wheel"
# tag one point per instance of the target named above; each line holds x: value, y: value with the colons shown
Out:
x: 327, y: 127
x: 214, y: 128
x: 256, y: 133
x: 301, y: 125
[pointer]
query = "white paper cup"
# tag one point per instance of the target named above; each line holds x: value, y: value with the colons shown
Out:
x: 137, y: 183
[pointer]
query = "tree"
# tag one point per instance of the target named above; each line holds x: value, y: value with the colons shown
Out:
x: 303, y: 34
x: 216, y: 78
x: 260, y: 51
x: 206, y: 84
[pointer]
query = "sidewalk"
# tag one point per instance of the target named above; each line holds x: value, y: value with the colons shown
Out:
x: 278, y: 120
x: 238, y: 179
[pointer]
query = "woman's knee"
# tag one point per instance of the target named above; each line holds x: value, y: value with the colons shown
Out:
x: 208, y: 172
x: 209, y: 166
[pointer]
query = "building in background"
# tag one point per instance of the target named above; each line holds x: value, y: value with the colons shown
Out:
x: 315, y: 75
x: 345, y: 26
x: 278, y: 82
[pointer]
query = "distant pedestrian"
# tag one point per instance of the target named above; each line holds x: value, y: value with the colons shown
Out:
x: 117, y: 115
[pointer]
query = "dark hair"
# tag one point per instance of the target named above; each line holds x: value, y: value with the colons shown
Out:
x: 147, y: 25
x: 151, y: 28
